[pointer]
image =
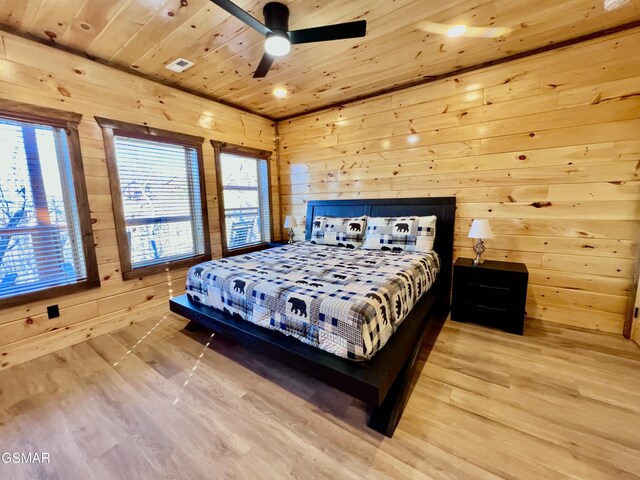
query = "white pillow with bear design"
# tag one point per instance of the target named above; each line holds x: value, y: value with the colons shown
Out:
x: 397, y: 234
x: 340, y: 231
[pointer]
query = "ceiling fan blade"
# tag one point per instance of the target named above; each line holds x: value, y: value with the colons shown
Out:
x: 264, y: 66
x: 329, y: 32
x: 239, y: 13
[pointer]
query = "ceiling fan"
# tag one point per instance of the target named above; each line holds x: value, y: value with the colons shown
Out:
x: 278, y: 37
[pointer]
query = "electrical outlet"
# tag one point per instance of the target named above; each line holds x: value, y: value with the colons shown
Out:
x: 53, y: 311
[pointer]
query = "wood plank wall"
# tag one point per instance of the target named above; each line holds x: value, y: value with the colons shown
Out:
x: 547, y: 147
x: 36, y: 74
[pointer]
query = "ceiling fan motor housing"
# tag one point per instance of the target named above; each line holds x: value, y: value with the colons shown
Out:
x: 276, y: 17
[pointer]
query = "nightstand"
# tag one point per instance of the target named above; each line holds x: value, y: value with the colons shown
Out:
x: 277, y: 243
x: 492, y: 293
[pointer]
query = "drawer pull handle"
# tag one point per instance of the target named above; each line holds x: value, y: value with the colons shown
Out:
x: 492, y: 287
x: 495, y: 309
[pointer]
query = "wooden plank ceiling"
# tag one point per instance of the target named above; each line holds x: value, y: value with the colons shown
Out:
x: 147, y: 34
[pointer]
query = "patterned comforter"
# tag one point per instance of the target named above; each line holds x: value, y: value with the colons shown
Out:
x: 347, y: 302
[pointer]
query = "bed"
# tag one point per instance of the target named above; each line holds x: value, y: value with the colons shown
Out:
x: 346, y: 302
x: 352, y: 318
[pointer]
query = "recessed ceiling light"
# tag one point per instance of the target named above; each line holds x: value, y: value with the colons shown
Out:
x: 179, y: 65
x: 413, y: 139
x: 277, y: 45
x: 456, y: 31
x: 610, y: 5
x: 280, y: 92
x: 476, y: 32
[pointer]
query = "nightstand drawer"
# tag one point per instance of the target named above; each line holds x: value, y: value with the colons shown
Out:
x: 488, y: 280
x: 488, y: 315
x: 494, y: 317
x: 489, y: 295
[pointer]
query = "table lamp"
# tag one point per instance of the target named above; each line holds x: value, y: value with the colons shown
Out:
x: 290, y: 223
x: 480, y: 229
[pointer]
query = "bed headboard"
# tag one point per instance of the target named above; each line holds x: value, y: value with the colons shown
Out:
x: 442, y: 207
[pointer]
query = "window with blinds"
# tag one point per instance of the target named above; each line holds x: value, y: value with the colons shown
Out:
x: 160, y: 188
x: 159, y: 199
x: 157, y: 186
x: 41, y: 242
x: 244, y: 182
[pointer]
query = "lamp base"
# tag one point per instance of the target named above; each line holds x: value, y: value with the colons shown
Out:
x: 479, y: 249
x: 291, y: 235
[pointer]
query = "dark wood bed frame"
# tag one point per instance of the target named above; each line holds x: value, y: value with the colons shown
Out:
x: 384, y: 382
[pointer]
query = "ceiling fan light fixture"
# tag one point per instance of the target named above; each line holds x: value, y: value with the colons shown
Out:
x: 457, y: 31
x: 277, y: 45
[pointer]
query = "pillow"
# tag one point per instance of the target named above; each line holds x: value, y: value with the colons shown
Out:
x: 410, y: 234
x: 340, y: 231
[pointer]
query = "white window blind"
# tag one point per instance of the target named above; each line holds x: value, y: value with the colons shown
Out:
x: 245, y: 188
x: 160, y: 187
x: 40, y: 236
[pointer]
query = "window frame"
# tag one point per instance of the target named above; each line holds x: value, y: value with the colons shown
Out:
x: 112, y: 128
x: 24, y: 112
x: 243, y: 151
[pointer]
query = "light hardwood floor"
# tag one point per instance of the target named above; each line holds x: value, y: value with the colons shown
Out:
x: 556, y: 403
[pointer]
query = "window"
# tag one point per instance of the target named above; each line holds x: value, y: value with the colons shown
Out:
x: 46, y: 242
x: 244, y: 198
x: 157, y: 185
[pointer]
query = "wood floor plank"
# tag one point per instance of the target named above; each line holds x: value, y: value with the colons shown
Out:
x: 150, y: 401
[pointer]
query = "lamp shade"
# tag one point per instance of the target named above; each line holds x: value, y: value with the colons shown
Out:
x: 290, y: 222
x: 480, y: 228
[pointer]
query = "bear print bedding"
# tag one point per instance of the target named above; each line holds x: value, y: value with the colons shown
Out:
x: 409, y: 234
x: 339, y: 231
x: 347, y: 302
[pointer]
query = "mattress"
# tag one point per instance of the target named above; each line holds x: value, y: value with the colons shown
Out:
x: 346, y: 302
